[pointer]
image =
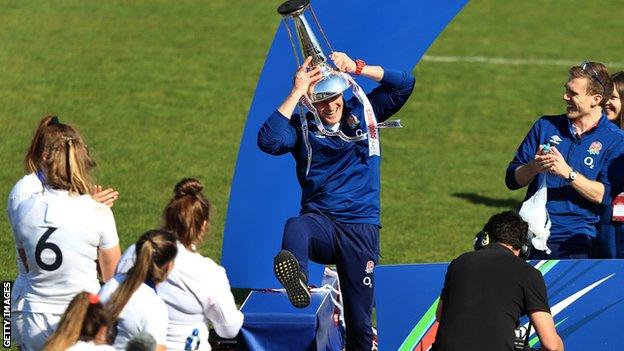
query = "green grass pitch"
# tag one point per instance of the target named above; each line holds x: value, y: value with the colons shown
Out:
x: 161, y: 90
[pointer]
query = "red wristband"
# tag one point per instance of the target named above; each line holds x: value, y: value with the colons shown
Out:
x: 359, y: 64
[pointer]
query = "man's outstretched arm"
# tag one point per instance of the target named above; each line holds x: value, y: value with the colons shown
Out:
x: 394, y: 90
x: 545, y: 328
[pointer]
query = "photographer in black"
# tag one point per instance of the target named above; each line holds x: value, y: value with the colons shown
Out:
x: 487, y: 291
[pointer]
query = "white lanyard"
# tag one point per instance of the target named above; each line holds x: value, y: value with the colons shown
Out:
x: 369, y: 117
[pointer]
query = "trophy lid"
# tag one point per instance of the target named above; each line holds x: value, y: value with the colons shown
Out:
x: 291, y: 7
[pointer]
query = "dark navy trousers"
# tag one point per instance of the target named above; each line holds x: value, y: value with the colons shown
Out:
x: 354, y: 249
x: 609, y: 241
x: 577, y: 247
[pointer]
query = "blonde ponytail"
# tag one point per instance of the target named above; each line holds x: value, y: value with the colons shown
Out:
x: 78, y: 173
x: 68, y: 164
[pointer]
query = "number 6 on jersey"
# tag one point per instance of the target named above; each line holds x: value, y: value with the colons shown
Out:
x: 42, y: 244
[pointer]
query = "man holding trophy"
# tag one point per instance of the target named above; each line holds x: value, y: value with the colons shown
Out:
x: 336, y: 149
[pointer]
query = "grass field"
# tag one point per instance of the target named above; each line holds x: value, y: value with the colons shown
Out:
x: 161, y: 90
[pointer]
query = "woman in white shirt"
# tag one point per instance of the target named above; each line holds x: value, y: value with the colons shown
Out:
x: 197, y: 291
x: 132, y: 299
x: 27, y: 187
x: 83, y: 327
x: 59, y: 233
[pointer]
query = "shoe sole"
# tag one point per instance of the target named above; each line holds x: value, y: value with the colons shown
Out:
x: 286, y: 270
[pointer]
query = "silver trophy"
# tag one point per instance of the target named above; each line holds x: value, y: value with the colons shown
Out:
x: 333, y: 83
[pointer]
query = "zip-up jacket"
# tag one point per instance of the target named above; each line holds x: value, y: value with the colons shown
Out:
x: 597, y: 154
x: 343, y: 180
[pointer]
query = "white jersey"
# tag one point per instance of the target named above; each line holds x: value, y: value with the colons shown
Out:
x: 89, y: 346
x: 25, y: 188
x: 144, y: 312
x: 61, y: 235
x: 196, y: 291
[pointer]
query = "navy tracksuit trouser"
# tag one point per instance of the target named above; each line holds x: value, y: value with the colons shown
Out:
x: 609, y: 241
x: 576, y: 247
x: 354, y: 249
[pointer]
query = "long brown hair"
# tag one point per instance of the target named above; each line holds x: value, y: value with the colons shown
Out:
x: 187, y: 211
x: 45, y: 130
x: 82, y: 320
x: 68, y: 164
x: 154, y: 250
x: 618, y: 84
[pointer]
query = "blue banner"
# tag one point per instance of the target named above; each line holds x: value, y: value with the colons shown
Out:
x: 586, y: 298
x: 265, y: 192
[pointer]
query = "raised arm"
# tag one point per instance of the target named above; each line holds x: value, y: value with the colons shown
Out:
x: 301, y: 83
x: 345, y: 64
x: 392, y: 93
x: 277, y: 136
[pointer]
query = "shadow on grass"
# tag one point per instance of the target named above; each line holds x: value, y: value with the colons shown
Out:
x: 488, y: 201
x: 240, y: 295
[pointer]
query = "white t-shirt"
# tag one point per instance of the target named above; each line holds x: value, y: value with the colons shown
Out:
x: 24, y: 189
x: 89, y: 346
x: 61, y: 235
x: 144, y: 312
x: 196, y: 291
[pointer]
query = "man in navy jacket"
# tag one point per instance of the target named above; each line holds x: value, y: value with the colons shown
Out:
x: 339, y: 222
x: 580, y: 154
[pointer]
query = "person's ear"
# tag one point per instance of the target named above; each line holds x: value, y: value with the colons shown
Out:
x: 596, y: 98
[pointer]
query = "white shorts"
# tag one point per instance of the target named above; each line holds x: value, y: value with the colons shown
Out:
x: 16, y: 337
x: 35, y: 328
x: 16, y: 306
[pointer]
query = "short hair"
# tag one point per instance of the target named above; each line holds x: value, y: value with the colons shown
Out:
x: 599, y: 81
x: 507, y: 228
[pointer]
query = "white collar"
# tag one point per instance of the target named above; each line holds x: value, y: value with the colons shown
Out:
x: 334, y: 127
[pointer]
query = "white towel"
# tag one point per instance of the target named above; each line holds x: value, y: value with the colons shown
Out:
x: 534, y: 212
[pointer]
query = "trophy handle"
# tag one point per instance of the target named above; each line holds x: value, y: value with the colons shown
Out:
x: 333, y: 83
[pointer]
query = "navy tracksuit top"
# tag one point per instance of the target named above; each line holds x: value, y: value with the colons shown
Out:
x: 343, y: 180
x: 597, y: 154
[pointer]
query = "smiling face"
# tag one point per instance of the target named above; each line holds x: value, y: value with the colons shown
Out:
x: 613, y: 108
x: 579, y: 102
x: 330, y: 110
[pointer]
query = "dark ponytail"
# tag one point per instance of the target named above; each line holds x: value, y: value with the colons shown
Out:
x: 154, y: 250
